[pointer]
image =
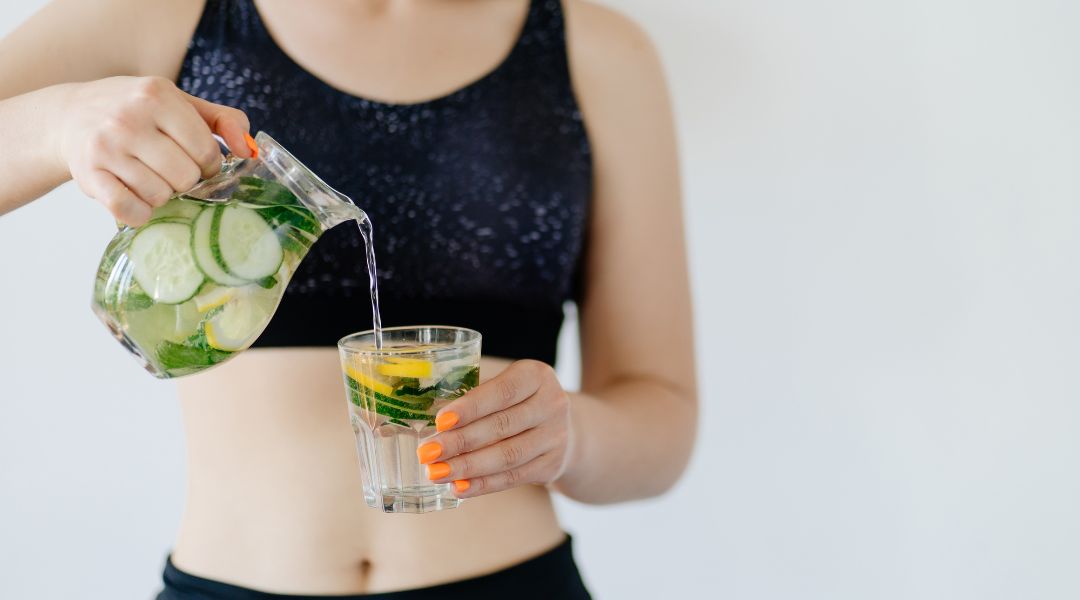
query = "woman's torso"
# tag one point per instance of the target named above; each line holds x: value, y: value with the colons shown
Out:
x: 275, y: 502
x: 274, y: 496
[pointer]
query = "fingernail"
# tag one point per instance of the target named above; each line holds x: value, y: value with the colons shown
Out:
x: 250, y: 141
x: 438, y: 470
x: 429, y: 452
x: 461, y: 485
x: 446, y: 421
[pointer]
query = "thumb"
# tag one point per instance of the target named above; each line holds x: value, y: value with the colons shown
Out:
x: 230, y: 123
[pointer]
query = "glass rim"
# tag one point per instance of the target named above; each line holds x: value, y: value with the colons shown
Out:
x: 473, y: 340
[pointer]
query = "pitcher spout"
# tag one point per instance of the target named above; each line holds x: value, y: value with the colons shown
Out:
x: 328, y: 205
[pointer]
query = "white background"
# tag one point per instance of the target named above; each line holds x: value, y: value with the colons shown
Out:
x: 882, y: 202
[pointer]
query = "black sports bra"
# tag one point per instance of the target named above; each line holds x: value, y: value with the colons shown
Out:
x: 479, y: 199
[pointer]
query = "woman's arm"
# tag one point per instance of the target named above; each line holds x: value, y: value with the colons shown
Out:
x: 635, y: 420
x: 30, y: 164
x: 65, y: 41
x: 629, y: 433
x: 63, y: 113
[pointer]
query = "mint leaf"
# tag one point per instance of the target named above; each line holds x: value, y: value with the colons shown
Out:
x: 295, y: 216
x: 278, y: 205
x: 195, y: 351
x: 263, y: 191
x: 136, y: 300
x: 460, y: 379
x: 173, y: 356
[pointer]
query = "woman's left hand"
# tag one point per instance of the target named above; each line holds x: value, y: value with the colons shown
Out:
x: 511, y: 430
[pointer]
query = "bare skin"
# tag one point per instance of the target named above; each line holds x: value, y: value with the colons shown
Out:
x: 274, y: 495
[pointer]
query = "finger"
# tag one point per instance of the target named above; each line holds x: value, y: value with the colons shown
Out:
x: 484, y: 432
x: 111, y: 192
x: 496, y: 458
x: 142, y: 180
x: 169, y: 161
x: 183, y: 123
x: 504, y: 480
x: 519, y: 381
x: 231, y: 124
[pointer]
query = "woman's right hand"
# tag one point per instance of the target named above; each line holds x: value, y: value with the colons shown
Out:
x: 132, y: 142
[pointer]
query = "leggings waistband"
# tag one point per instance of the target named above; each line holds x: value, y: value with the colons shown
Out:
x: 553, y: 574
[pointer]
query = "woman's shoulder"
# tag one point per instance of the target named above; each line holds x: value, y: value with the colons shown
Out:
x: 599, y: 33
x: 612, y: 60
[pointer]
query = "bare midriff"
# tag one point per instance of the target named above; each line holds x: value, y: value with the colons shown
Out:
x: 274, y: 500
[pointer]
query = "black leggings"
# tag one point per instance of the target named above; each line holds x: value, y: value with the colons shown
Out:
x: 552, y: 575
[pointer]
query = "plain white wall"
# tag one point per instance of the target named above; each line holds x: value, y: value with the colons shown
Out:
x: 881, y: 198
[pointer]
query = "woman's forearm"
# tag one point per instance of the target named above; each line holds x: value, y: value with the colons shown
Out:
x: 30, y: 164
x: 630, y: 440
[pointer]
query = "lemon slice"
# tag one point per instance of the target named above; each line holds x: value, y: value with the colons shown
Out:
x: 234, y: 328
x: 405, y: 367
x: 214, y: 298
x: 368, y: 382
x: 242, y: 318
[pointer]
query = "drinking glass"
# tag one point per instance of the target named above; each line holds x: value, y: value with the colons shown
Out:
x: 393, y: 393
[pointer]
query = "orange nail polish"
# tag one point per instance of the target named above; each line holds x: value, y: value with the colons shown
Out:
x: 438, y: 470
x: 429, y: 452
x: 461, y: 485
x: 250, y: 141
x: 446, y: 421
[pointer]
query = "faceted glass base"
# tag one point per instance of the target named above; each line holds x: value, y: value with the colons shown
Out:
x: 409, y: 501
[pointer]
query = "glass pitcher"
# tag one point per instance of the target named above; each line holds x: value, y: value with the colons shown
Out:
x: 199, y: 282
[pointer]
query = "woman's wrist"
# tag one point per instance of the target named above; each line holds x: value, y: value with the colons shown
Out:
x: 33, y: 129
x: 57, y: 100
x: 574, y: 464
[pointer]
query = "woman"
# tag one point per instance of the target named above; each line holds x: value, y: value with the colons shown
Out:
x: 460, y: 126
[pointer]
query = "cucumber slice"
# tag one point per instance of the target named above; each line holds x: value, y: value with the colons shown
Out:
x: 176, y: 208
x: 243, y: 243
x: 174, y: 219
x: 372, y: 401
x: 162, y: 262
x: 203, y: 251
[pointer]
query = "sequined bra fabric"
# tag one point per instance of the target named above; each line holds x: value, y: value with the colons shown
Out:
x: 479, y: 199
